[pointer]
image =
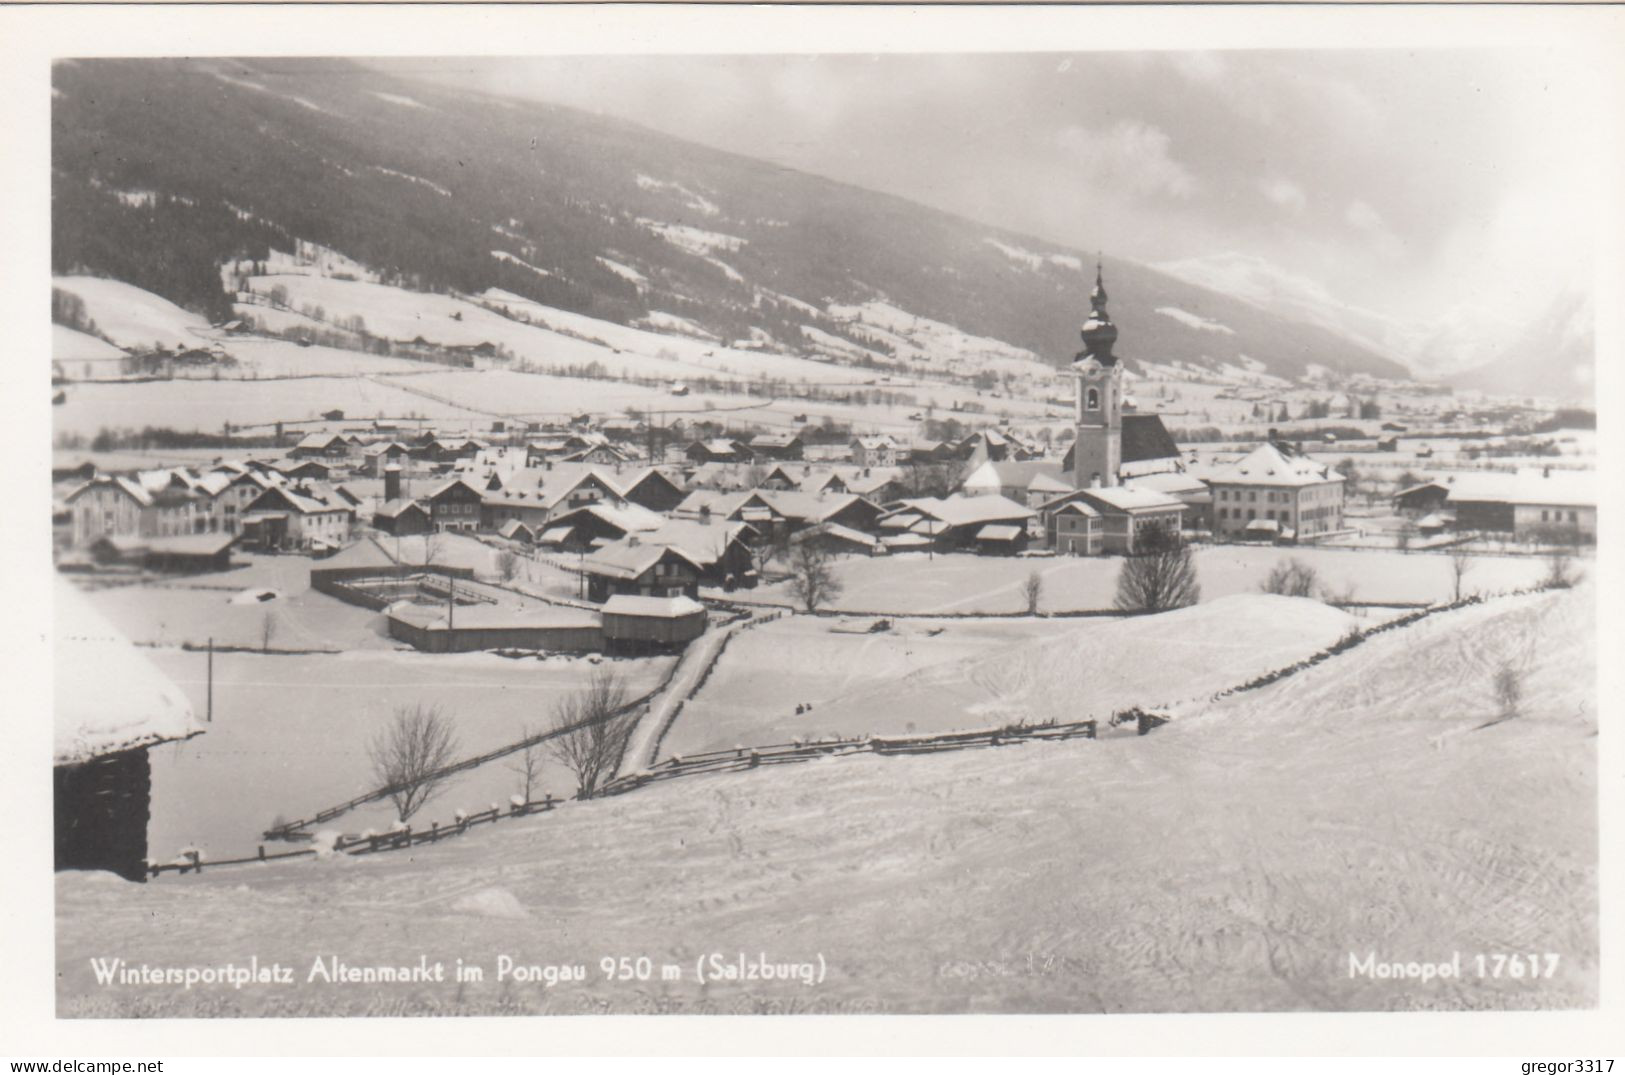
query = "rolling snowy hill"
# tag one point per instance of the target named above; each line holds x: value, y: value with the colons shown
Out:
x: 1232, y: 860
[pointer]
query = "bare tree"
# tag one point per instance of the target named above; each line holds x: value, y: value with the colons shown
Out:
x: 592, y: 732
x: 1032, y: 591
x: 528, y: 763
x: 434, y: 547
x: 1291, y: 578
x: 1161, y: 575
x: 507, y: 565
x: 812, y: 575
x: 409, y: 753
x: 1461, y: 562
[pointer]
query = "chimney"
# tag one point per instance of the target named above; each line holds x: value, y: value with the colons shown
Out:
x: 392, y: 482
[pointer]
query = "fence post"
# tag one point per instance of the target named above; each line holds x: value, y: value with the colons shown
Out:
x: 434, y: 832
x: 197, y: 861
x: 262, y: 853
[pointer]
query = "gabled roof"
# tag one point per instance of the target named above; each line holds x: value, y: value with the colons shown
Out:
x: 774, y: 440
x: 318, y: 440
x: 871, y: 442
x: 127, y: 702
x: 1126, y: 498
x: 446, y: 487
x: 391, y: 509
x: 1038, y: 475
x: 1268, y: 465
x: 365, y: 553
x: 129, y: 488
x: 966, y: 510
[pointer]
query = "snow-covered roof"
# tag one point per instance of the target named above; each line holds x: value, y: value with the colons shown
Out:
x: 492, y: 617
x: 364, y: 553
x: 664, y: 607
x: 968, y: 510
x: 1568, y: 488
x: 1128, y: 498
x: 1268, y: 465
x: 998, y: 532
x: 109, y: 696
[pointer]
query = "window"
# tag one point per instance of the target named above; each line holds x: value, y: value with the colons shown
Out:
x: 1092, y: 399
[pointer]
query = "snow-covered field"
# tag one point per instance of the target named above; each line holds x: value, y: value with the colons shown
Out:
x: 204, y: 405
x: 1232, y: 860
x: 290, y: 736
x: 961, y: 583
x: 751, y: 695
x: 928, y: 676
x: 133, y: 318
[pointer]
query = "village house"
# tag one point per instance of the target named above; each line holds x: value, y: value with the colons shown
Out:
x: 877, y: 450
x: 1276, y: 489
x: 1129, y: 516
x: 536, y: 497
x: 1074, y: 528
x: 1031, y: 482
x: 596, y: 525
x: 329, y: 446
x: 952, y: 523
x: 678, y: 558
x: 776, y: 514
x: 304, y: 516
x: 776, y: 446
x: 718, y: 450
x: 402, y: 518
x: 454, y: 506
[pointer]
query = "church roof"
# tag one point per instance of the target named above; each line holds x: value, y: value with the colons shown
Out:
x: 1145, y: 437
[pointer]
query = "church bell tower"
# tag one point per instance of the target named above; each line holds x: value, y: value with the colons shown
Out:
x: 1097, y: 451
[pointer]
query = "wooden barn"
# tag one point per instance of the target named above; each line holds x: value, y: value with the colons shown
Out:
x: 104, y: 725
x: 634, y: 624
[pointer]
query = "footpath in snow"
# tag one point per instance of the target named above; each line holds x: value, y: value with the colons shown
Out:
x: 690, y: 673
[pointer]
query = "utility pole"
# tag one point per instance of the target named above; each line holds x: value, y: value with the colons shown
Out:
x: 210, y: 703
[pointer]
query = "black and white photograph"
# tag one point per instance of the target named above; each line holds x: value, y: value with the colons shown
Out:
x: 803, y: 530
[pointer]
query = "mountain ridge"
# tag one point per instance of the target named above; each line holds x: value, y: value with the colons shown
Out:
x: 445, y: 188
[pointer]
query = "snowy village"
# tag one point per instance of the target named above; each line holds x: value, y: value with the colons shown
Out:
x: 573, y: 585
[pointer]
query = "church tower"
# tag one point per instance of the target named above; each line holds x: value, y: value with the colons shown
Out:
x: 1097, y: 451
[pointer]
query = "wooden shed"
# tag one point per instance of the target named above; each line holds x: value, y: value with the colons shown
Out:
x: 111, y: 705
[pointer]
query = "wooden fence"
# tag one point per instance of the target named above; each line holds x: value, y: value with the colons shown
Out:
x: 741, y: 758
x: 369, y: 842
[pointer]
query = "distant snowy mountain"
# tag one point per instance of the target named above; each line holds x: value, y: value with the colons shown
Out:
x: 1460, y: 339
x: 1554, y: 357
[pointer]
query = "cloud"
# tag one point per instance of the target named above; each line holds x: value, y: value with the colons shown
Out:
x: 1129, y: 157
x: 1285, y: 193
x: 1362, y: 217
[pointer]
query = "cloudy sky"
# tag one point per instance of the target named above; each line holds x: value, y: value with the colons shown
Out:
x: 1413, y: 183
